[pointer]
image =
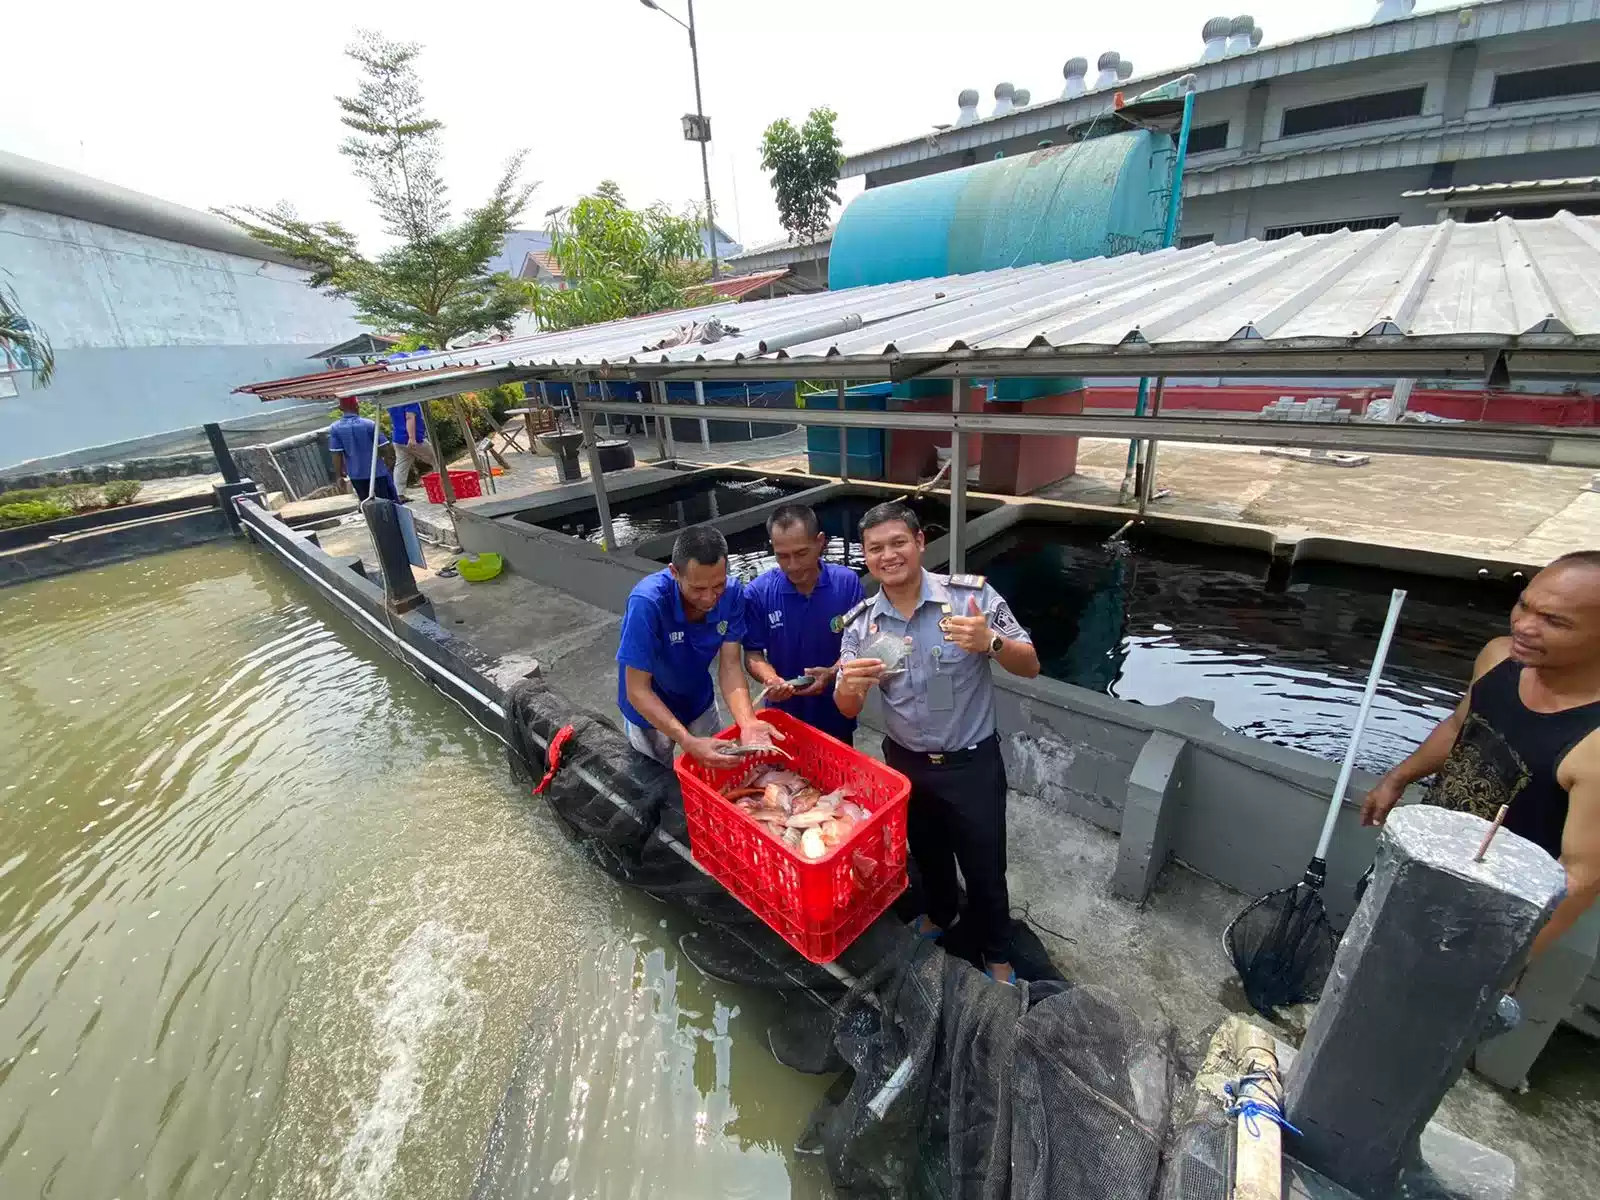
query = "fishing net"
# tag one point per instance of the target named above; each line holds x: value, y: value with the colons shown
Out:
x: 949, y: 1085
x: 1282, y: 946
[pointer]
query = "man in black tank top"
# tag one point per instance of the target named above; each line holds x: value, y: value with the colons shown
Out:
x: 1525, y: 734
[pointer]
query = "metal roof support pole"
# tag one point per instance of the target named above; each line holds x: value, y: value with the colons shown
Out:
x: 844, y: 439
x: 705, y: 430
x: 602, y: 503
x: 1169, y: 238
x: 1147, y: 481
x: 466, y: 435
x: 658, y: 393
x: 661, y: 437
x: 958, y: 482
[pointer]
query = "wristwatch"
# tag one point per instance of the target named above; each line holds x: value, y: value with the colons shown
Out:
x: 996, y: 644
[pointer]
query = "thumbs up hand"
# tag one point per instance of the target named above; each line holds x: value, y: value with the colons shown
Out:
x: 971, y: 632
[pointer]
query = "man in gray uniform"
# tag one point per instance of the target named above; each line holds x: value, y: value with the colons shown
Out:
x: 939, y: 708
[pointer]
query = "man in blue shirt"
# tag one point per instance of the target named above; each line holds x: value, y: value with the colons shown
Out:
x: 411, y: 444
x: 350, y: 440
x: 794, y: 618
x: 678, y: 621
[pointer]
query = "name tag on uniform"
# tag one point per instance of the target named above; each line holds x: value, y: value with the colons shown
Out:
x: 941, y: 692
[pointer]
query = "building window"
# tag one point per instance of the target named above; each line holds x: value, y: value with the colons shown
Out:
x: 1358, y: 110
x: 1190, y: 241
x: 1203, y: 138
x: 1547, y: 83
x: 1283, y: 231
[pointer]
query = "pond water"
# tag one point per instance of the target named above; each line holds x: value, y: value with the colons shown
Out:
x: 274, y: 922
x: 667, y: 511
x: 1155, y: 619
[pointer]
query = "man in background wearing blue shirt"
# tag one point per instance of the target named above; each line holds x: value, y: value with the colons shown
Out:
x: 350, y: 439
x: 794, y: 618
x: 411, y: 444
x: 678, y: 621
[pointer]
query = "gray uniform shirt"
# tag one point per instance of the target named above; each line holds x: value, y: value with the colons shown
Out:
x: 944, y: 700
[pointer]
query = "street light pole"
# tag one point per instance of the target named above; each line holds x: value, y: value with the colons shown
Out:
x: 705, y: 166
x: 700, y: 115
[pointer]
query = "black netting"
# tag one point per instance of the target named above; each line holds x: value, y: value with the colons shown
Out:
x: 1198, y: 1164
x: 1282, y: 946
x: 950, y: 1085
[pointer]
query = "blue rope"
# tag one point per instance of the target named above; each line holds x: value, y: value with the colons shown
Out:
x: 1249, y: 1108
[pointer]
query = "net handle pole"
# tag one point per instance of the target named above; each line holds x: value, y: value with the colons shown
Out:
x: 1396, y: 599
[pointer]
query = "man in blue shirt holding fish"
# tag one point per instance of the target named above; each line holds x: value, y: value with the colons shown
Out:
x: 794, y: 619
x: 677, y: 623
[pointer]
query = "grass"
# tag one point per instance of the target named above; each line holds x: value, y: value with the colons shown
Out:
x: 30, y: 506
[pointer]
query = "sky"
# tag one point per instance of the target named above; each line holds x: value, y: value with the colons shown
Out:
x: 211, y: 105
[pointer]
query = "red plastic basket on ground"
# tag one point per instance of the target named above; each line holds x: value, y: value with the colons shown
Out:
x: 463, y: 483
x: 818, y: 907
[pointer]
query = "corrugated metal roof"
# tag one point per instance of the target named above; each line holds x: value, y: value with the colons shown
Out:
x: 321, y: 385
x: 1495, y: 285
x: 1493, y: 191
x: 735, y: 286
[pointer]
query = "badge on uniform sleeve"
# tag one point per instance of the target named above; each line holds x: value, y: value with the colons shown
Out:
x: 873, y: 628
x: 836, y: 625
x: 722, y: 627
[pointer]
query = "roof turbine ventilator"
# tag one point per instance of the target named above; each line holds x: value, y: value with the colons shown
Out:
x: 1239, y: 31
x: 1074, y: 72
x: 1107, y: 65
x: 1003, y: 103
x: 968, y: 100
x: 1215, y: 35
x: 1393, y: 10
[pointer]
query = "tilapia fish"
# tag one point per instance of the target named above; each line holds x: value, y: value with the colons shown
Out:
x: 796, y: 812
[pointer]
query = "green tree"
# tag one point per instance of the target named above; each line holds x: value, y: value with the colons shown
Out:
x: 23, y: 342
x: 433, y: 282
x: 804, y: 164
x: 619, y: 261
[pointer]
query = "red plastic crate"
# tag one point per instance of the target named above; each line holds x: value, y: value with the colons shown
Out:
x: 464, y: 483
x: 819, y: 907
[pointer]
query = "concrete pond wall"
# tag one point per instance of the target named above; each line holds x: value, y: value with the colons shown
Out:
x: 1172, y: 781
x: 108, y: 535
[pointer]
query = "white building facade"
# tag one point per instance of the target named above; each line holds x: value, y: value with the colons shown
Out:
x: 156, y: 313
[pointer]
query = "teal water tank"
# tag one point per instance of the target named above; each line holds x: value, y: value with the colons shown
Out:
x: 1104, y: 196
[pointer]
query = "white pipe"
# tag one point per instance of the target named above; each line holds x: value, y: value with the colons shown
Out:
x: 1396, y: 599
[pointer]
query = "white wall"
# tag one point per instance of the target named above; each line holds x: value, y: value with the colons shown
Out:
x: 150, y: 335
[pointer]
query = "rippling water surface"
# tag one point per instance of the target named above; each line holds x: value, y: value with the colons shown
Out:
x: 1155, y: 619
x: 275, y: 923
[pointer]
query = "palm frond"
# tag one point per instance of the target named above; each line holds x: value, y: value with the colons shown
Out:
x: 21, y: 342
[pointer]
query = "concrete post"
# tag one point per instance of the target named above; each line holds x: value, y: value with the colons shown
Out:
x: 1148, y: 816
x: 1436, y: 942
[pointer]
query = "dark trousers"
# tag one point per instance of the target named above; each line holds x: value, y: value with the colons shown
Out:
x: 957, y: 814
x: 385, y: 489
